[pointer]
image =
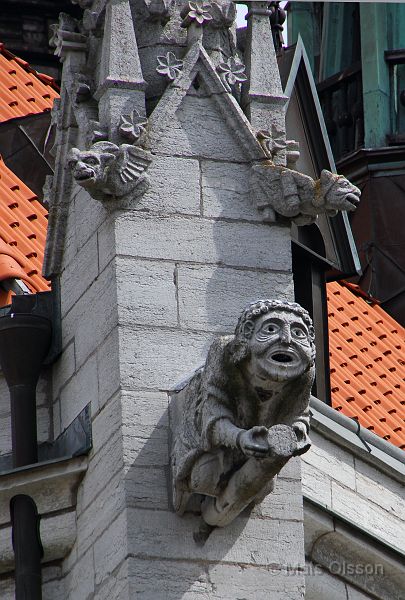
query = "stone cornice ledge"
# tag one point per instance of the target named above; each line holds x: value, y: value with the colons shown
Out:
x: 360, y: 441
x: 348, y: 552
x: 53, y: 486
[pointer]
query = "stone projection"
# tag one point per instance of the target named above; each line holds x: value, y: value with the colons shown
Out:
x: 245, y: 413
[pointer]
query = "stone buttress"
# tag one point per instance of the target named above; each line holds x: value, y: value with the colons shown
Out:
x: 158, y: 245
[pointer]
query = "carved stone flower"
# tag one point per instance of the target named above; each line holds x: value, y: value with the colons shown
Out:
x: 232, y: 71
x: 198, y: 12
x: 169, y: 66
x: 132, y: 126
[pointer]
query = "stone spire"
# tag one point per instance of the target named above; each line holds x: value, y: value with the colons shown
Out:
x: 121, y: 86
x: 263, y: 98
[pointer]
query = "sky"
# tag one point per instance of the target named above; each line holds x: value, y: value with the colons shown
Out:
x: 241, y: 21
x: 240, y: 15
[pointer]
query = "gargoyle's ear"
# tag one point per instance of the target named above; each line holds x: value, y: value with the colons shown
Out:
x: 107, y: 150
x: 104, y: 146
x: 238, y: 350
x: 73, y: 155
x: 247, y: 330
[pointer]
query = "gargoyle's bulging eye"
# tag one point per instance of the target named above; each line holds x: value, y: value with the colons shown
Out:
x: 270, y: 328
x: 298, y: 333
x: 91, y: 161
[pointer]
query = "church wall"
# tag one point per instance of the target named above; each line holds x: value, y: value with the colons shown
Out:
x: 354, y: 523
x: 187, y: 263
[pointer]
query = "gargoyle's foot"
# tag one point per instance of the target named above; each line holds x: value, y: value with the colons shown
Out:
x: 248, y: 482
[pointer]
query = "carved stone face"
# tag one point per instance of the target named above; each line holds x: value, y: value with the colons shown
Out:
x: 281, y: 348
x: 342, y: 194
x: 86, y: 167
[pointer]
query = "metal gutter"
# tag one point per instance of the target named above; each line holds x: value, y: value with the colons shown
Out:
x: 360, y: 441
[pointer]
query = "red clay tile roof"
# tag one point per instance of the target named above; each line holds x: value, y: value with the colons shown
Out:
x: 23, y: 223
x: 23, y: 91
x: 367, y: 362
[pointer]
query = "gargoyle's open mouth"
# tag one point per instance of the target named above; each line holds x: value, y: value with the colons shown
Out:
x: 353, y: 199
x: 84, y: 175
x: 282, y: 357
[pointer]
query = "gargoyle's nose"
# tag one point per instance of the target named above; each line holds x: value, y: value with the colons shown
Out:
x: 285, y: 334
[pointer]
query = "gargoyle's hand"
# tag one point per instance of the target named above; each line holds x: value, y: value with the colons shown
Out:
x: 337, y: 193
x: 253, y: 442
x: 304, y: 443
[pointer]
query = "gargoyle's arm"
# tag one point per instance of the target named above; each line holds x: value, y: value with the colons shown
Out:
x: 252, y: 442
x: 225, y: 433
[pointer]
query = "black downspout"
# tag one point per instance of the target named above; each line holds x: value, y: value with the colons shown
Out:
x: 24, y: 343
x: 27, y: 548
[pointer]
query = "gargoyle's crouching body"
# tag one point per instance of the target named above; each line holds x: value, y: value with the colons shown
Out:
x: 245, y: 413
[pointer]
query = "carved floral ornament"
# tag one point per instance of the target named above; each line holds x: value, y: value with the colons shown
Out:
x: 207, y: 12
x: 232, y: 72
x: 196, y: 12
x: 132, y: 126
x: 169, y: 66
x: 245, y: 413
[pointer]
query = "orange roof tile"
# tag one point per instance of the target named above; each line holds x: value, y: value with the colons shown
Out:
x: 367, y: 363
x: 23, y: 91
x: 23, y: 223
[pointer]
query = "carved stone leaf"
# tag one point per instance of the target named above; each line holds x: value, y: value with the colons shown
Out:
x: 169, y: 66
x: 232, y: 71
x: 132, y: 126
x: 196, y: 12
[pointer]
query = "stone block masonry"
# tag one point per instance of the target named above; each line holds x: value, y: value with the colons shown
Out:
x: 146, y: 284
x: 171, y: 274
x: 184, y: 271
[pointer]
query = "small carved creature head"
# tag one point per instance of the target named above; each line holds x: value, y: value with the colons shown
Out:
x: 275, y: 342
x: 338, y: 192
x: 89, y: 167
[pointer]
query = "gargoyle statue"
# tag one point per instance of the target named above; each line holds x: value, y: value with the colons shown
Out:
x: 297, y: 196
x: 107, y: 170
x: 245, y: 413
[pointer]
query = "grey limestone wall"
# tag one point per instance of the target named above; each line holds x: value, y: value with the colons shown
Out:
x: 88, y: 372
x: 144, y: 291
x: 347, y: 485
x: 363, y: 556
x: 189, y: 258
